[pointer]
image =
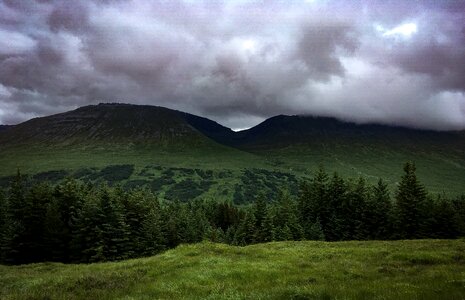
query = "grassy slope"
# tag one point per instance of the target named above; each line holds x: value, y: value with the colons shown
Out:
x: 439, y: 172
x: 422, y: 269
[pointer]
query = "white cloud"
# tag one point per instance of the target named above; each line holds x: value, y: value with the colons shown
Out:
x: 404, y: 30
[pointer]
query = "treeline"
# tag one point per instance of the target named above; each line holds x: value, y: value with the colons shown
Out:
x: 82, y: 222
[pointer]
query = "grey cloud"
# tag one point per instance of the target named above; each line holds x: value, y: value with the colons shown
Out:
x: 68, y: 15
x: 236, y: 63
x: 319, y: 44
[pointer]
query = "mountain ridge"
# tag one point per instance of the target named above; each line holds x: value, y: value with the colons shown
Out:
x: 150, y: 137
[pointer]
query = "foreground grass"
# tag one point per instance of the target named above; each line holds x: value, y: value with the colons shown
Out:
x: 426, y: 269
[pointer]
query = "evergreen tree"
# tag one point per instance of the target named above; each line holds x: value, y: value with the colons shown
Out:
x: 287, y: 216
x: 4, y: 223
x: 380, y: 218
x: 114, y: 230
x: 444, y: 222
x: 34, y: 245
x: 15, y: 237
x: 68, y: 200
x: 259, y: 209
x: 315, y: 232
x: 458, y: 205
x: 313, y: 202
x: 153, y: 238
x: 87, y: 242
x: 266, y: 231
x: 284, y: 233
x: 246, y: 232
x: 359, y: 199
x: 410, y: 204
x: 337, y: 191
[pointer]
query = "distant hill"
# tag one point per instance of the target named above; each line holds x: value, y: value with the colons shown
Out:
x: 5, y: 127
x: 183, y: 155
x: 113, y: 123
x: 282, y: 131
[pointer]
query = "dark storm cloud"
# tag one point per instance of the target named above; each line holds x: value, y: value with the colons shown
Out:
x: 396, y: 62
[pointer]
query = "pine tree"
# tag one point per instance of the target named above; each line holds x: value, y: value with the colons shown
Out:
x: 153, y: 238
x: 34, y: 245
x: 337, y: 192
x: 266, y: 230
x: 284, y: 233
x: 246, y: 232
x: 315, y: 232
x: 115, y: 232
x: 380, y: 218
x: 458, y: 205
x: 87, y: 241
x: 4, y: 223
x: 410, y: 204
x: 444, y: 223
x: 360, y: 230
x: 14, y: 237
x: 314, y: 201
x: 260, y: 211
x: 68, y: 200
x: 287, y: 214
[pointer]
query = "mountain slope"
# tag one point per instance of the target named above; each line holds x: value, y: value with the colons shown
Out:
x: 159, y: 142
x: 5, y: 127
x: 282, y: 131
x: 112, y: 123
x: 368, y: 150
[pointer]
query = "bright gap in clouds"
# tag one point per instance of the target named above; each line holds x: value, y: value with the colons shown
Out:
x: 406, y: 30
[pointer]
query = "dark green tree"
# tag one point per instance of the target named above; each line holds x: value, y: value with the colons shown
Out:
x: 313, y: 202
x: 15, y: 238
x: 286, y: 216
x: 337, y: 193
x: 315, y: 232
x: 115, y: 233
x: 410, y: 205
x: 380, y: 216
x: 4, y: 223
x: 266, y: 231
x: 246, y: 232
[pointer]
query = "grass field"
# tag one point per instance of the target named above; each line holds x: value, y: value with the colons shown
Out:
x: 416, y: 269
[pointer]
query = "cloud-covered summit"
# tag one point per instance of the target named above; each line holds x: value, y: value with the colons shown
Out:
x: 237, y: 62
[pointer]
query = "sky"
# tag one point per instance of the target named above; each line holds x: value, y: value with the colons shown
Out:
x: 238, y: 62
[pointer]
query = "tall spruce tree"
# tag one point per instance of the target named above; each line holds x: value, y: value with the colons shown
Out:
x: 15, y: 237
x: 380, y: 216
x: 410, y: 204
x: 337, y: 192
x: 286, y: 218
x: 114, y: 230
x: 260, y: 210
x: 4, y: 222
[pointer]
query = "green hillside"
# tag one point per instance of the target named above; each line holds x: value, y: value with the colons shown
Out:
x: 159, y: 143
x: 427, y: 269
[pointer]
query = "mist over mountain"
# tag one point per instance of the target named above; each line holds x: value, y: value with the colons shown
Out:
x: 144, y: 124
x: 238, y: 62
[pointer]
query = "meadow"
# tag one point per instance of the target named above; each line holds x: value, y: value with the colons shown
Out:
x: 407, y: 269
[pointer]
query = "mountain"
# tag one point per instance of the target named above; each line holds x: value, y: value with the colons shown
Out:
x: 181, y: 155
x: 5, y: 127
x: 282, y: 131
x: 114, y: 123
